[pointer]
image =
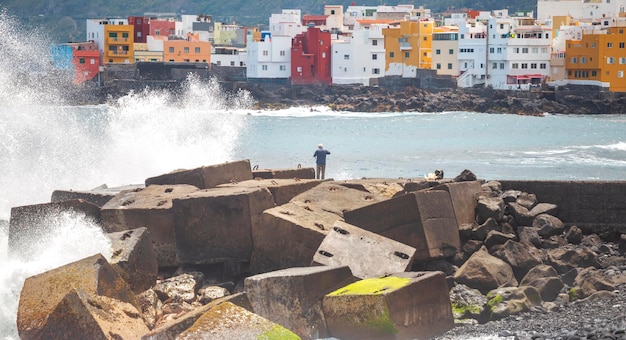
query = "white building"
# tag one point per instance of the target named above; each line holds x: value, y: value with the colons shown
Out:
x: 229, y: 56
x: 445, y: 51
x: 95, y: 30
x: 579, y: 9
x: 202, y: 25
x: 270, y: 57
x: 357, y: 59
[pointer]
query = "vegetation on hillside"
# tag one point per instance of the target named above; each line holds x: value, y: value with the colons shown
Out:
x: 64, y: 20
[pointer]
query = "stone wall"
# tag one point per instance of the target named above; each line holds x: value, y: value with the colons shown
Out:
x: 598, y: 205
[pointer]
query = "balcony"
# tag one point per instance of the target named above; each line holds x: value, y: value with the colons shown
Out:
x: 405, y: 47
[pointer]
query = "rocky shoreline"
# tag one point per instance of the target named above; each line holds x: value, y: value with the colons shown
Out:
x: 203, y: 251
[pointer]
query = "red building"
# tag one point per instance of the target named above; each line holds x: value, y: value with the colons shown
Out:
x: 310, y: 57
x: 86, y: 61
x: 142, y: 28
x: 163, y: 28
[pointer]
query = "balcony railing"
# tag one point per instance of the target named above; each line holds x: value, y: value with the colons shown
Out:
x: 405, y: 47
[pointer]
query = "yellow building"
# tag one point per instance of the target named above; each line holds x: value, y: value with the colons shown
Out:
x: 142, y: 53
x: 187, y: 51
x: 118, y: 44
x: 445, y: 48
x: 600, y: 57
x: 409, y: 47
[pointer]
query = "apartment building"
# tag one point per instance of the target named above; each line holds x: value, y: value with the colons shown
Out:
x: 445, y: 50
x: 310, y: 57
x: 359, y: 58
x: 409, y: 47
x: 114, y: 39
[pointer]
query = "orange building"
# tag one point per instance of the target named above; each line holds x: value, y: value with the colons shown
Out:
x: 600, y: 57
x: 409, y: 47
x: 187, y: 51
x: 118, y: 44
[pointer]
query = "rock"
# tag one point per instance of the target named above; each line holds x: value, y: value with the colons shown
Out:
x: 424, y: 220
x: 510, y: 301
x: 180, y: 288
x: 485, y: 272
x: 465, y: 176
x: 520, y: 214
x: 529, y: 236
x: 481, y: 231
x: 510, y: 195
x: 207, y: 176
x: 399, y: 306
x: 544, y: 208
x: 293, y: 297
x: 80, y: 315
x: 591, y: 280
x: 592, y: 240
x: 489, y: 207
x: 41, y: 293
x: 548, y: 225
x: 134, y: 258
x: 574, y: 235
x: 545, y: 279
x: 527, y: 200
x: 300, y: 173
x: 207, y: 294
x: 288, y: 236
x: 564, y: 260
x: 380, y: 187
x: 229, y: 321
x: 622, y: 243
x: 518, y: 257
x: 467, y: 303
x: 463, y: 198
x: 367, y: 254
x: 150, y: 307
x: 335, y: 198
x: 496, y: 238
x: 149, y: 208
x: 493, y: 186
x: 215, y: 225
x: 283, y: 190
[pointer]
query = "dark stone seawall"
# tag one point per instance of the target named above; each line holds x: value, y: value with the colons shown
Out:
x: 591, y: 205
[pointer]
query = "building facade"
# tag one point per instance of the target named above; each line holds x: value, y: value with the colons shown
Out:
x: 361, y: 57
x: 310, y: 57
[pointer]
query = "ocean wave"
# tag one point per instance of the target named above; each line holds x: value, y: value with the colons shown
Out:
x: 325, y: 111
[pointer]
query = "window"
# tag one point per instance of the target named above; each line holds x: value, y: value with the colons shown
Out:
x: 593, y: 45
x: 543, y: 66
x: 374, y: 42
x: 515, y: 66
x: 219, y: 63
x: 375, y: 71
x: 282, y: 53
x: 425, y: 38
x: 321, y: 42
x: 157, y: 32
x: 232, y: 63
x: 171, y: 49
x: 438, y: 66
x: 499, y: 50
x: 492, y: 50
x: 622, y: 60
x: 197, y: 49
x: 516, y: 50
x: 283, y: 67
x: 437, y: 51
x: 391, y: 54
x: 266, y: 53
x: 524, y: 65
x: 574, y: 60
x: 610, y: 60
x: 346, y: 57
x: 299, y: 69
x: 525, y: 50
x: 494, y: 66
x: 186, y: 49
x: 264, y: 67
x: 609, y: 44
x: 374, y: 57
x: 533, y: 65
x: 621, y: 45
x: 451, y: 51
x: 449, y: 66
x: 594, y: 73
x: 620, y: 74
x: 407, y: 54
x: 502, y: 66
x: 323, y: 54
x: 535, y: 50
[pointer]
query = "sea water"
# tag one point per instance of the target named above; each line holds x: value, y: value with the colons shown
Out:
x: 47, y: 145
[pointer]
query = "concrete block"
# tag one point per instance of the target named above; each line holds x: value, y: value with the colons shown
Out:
x: 80, y: 315
x: 41, y: 293
x: 411, y: 305
x: 98, y: 196
x: 215, y: 225
x: 293, y: 297
x: 424, y: 220
x: 384, y: 187
x: 288, y: 236
x: 30, y: 223
x: 229, y: 321
x: 207, y: 176
x: 151, y: 208
x: 134, y: 258
x: 335, y: 198
x: 283, y: 190
x: 464, y: 200
x: 301, y: 173
x: 367, y: 254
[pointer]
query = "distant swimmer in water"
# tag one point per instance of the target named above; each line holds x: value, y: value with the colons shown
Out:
x: 320, y: 155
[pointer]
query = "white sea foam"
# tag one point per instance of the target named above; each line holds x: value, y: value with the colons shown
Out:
x: 324, y: 111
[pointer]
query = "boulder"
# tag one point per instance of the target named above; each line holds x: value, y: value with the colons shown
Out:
x: 293, y: 297
x: 544, y: 208
x: 80, y: 315
x: 208, y: 293
x: 548, y: 225
x: 406, y: 305
x: 485, y: 272
x: 41, y: 293
x: 467, y: 303
x: 545, y: 279
x: 529, y: 236
x: 283, y: 190
x: 206, y: 177
x: 574, y: 235
x: 288, y: 236
x: 134, y: 258
x: 520, y: 214
x: 383, y: 187
x: 150, y: 307
x: 215, y: 225
x: 229, y: 321
x: 367, y: 254
x: 424, y: 220
x: 518, y: 257
x: 465, y: 176
x: 98, y: 196
x: 564, y: 260
x: 489, y: 207
x: 527, y: 200
x: 301, y: 173
x: 335, y: 198
x: 170, y: 329
x: 507, y: 301
x: 150, y: 208
x: 180, y: 288
x: 495, y: 238
x: 480, y: 232
x: 591, y: 280
x: 30, y: 223
x: 463, y: 198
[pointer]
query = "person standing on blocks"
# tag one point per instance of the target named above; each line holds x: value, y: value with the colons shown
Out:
x: 320, y: 155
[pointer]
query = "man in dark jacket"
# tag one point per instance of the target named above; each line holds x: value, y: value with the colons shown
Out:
x: 320, y: 155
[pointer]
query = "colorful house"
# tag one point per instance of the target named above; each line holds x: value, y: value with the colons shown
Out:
x: 141, y: 27
x: 81, y: 59
x: 114, y: 39
x: 409, y: 47
x: 187, y: 51
x: 310, y: 57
